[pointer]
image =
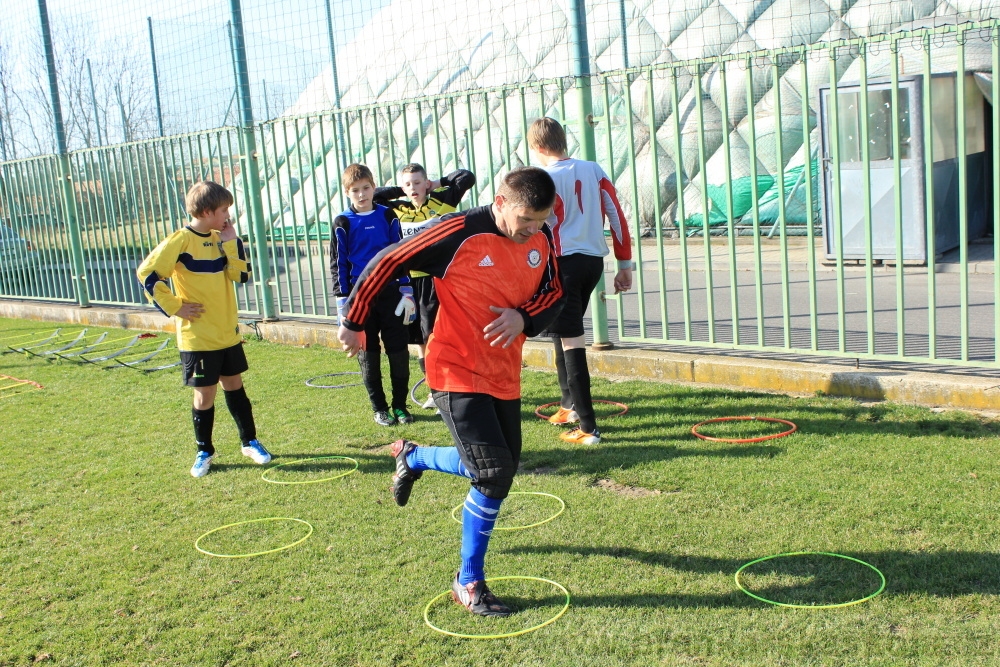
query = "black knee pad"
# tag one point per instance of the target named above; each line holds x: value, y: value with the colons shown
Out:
x: 494, y: 482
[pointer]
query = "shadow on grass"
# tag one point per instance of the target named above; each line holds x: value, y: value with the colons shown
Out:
x: 590, y: 461
x: 676, y: 410
x: 367, y: 463
x: 936, y: 574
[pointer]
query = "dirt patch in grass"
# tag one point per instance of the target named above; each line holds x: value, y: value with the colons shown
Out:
x: 629, y: 491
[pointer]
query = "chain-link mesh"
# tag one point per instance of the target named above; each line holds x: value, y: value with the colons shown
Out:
x: 317, y: 55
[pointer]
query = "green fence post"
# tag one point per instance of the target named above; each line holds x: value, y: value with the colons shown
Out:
x: 588, y: 149
x: 156, y: 77
x: 64, y: 173
x: 249, y: 149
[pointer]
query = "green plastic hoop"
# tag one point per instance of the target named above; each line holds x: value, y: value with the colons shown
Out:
x: 555, y: 618
x: 562, y: 508
x: 811, y: 606
x: 257, y: 553
x: 263, y: 475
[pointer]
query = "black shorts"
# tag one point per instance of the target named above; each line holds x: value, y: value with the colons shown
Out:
x: 487, y: 433
x: 427, y: 309
x: 203, y: 369
x: 580, y: 275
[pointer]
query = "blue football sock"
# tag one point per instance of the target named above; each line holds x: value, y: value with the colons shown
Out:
x: 441, y: 459
x: 478, y: 516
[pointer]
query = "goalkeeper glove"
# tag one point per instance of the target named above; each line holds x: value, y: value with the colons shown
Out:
x: 407, y: 307
x: 342, y: 308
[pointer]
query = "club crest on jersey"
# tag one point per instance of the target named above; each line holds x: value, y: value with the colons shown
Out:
x: 534, y: 258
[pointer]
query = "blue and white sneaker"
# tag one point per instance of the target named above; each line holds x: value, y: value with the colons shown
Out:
x: 202, y: 462
x: 256, y: 451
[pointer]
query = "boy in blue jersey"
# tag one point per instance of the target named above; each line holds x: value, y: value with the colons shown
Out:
x: 203, y: 260
x: 359, y: 233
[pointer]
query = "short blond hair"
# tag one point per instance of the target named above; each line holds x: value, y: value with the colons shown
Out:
x: 206, y: 196
x: 549, y: 135
x: 354, y: 173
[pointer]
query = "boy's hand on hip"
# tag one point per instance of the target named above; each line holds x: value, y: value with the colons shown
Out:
x: 228, y: 231
x: 352, y: 341
x: 505, y: 328
x: 190, y: 311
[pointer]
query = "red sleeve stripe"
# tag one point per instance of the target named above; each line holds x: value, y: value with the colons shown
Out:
x: 559, y: 211
x: 386, y: 269
x: 619, y: 227
x: 551, y: 293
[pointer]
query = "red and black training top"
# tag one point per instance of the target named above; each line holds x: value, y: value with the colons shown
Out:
x: 474, y: 266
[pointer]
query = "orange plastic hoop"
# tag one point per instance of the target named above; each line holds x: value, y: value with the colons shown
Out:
x: 793, y: 429
x: 624, y: 408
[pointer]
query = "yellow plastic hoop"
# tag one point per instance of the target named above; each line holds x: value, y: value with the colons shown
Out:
x: 257, y: 553
x: 838, y: 605
x: 506, y: 634
x: 263, y: 475
x: 562, y: 508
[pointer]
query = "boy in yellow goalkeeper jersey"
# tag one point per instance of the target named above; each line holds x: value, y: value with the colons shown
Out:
x: 203, y: 260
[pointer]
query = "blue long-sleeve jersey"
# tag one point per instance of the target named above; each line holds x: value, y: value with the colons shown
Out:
x: 357, y: 237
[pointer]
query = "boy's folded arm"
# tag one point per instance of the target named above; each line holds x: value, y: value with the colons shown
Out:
x: 388, y: 193
x: 237, y: 267
x: 167, y: 301
x: 457, y: 183
x: 463, y: 179
x: 154, y: 272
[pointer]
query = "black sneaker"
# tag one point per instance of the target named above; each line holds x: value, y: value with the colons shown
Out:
x: 402, y: 416
x: 402, y: 481
x: 478, y: 599
x: 384, y: 418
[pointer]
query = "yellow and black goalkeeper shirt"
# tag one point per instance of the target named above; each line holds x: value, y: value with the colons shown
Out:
x: 441, y: 200
x: 202, y: 269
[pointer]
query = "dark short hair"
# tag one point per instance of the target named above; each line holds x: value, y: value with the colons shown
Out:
x: 529, y: 187
x: 414, y: 168
x: 206, y: 196
x: 548, y: 135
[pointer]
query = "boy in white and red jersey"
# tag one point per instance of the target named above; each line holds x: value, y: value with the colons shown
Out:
x: 585, y: 196
x: 496, y: 277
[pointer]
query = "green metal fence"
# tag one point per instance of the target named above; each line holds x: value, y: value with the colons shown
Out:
x: 771, y: 195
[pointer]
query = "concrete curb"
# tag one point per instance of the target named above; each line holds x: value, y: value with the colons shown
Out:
x: 927, y: 389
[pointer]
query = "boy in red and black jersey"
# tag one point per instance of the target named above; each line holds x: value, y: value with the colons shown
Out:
x: 496, y: 277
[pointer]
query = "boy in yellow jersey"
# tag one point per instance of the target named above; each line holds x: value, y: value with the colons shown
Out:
x: 203, y: 260
x: 424, y: 200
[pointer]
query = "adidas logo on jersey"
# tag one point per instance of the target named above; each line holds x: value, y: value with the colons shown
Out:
x: 486, y: 261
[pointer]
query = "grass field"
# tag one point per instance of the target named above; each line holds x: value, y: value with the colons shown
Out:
x: 99, y: 518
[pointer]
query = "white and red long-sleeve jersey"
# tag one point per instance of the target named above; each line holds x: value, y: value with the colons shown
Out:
x: 585, y: 196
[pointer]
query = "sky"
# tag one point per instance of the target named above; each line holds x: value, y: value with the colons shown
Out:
x: 287, y: 46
